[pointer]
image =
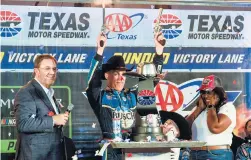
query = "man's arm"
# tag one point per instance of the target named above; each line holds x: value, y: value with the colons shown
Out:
x: 95, y: 75
x: 27, y: 119
x: 158, y: 58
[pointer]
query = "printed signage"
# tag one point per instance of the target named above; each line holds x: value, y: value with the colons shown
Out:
x: 175, y: 59
x: 74, y: 26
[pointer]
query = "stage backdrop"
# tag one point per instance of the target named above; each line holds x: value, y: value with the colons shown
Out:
x: 199, y: 43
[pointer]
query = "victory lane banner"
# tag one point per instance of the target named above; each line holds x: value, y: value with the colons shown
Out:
x: 73, y: 59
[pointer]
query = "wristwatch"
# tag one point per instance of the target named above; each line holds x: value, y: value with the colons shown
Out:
x: 210, y: 106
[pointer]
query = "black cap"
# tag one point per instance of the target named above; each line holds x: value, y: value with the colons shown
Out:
x: 115, y: 63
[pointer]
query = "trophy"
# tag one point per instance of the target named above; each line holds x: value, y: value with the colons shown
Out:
x: 147, y: 75
x: 158, y: 28
x: 103, y: 28
x: 148, y: 126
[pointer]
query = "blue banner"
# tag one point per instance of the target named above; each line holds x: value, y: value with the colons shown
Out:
x: 79, y: 58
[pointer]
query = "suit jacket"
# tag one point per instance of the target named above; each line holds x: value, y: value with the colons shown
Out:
x: 37, y: 138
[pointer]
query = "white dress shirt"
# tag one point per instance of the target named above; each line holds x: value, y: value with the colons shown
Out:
x: 49, y: 92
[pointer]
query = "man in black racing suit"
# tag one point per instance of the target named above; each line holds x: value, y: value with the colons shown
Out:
x: 115, y: 106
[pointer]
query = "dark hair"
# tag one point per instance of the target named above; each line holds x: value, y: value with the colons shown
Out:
x: 40, y: 58
x: 222, y: 97
x: 246, y: 125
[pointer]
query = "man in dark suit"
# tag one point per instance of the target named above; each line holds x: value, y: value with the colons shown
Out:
x: 38, y: 118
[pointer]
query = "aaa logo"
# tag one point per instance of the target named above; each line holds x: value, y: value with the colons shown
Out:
x: 170, y: 98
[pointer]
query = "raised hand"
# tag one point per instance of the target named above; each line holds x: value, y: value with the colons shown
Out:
x: 200, y: 103
x: 101, y: 43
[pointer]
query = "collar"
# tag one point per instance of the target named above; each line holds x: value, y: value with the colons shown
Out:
x: 109, y: 89
x: 48, y: 91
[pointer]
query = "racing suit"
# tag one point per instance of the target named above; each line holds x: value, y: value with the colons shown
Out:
x: 109, y: 104
x: 244, y: 151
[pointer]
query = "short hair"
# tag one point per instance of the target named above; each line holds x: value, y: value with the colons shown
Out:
x: 246, y: 125
x: 40, y: 58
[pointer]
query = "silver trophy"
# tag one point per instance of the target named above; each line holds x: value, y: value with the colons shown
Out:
x: 148, y: 125
x: 146, y: 69
x: 147, y: 75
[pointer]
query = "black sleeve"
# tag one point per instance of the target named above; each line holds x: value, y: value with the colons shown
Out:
x: 94, y: 82
x: 236, y: 142
x: 158, y: 62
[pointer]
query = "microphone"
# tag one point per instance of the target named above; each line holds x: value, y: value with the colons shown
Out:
x: 70, y: 108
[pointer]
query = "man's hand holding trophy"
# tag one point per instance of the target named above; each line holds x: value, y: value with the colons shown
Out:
x: 160, y: 40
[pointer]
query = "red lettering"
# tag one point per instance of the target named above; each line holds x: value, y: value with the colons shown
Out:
x: 118, y: 22
x: 173, y: 100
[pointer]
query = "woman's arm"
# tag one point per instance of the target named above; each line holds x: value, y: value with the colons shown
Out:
x: 217, y: 123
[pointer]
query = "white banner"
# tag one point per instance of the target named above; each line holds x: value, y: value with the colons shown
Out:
x: 50, y: 26
x: 75, y: 26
